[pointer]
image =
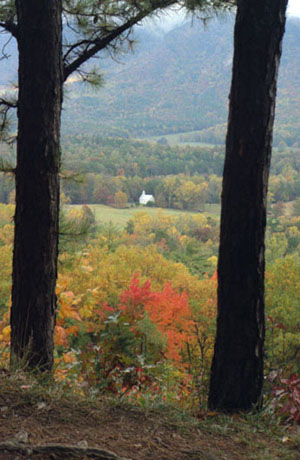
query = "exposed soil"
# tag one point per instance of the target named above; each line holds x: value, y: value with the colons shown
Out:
x: 37, y: 418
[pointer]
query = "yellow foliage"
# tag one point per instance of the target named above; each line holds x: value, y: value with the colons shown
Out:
x: 121, y: 199
x: 68, y: 307
x: 293, y: 231
x: 200, y: 220
x: 5, y: 334
x: 213, y: 261
x: 69, y: 357
x: 7, y: 234
x: 6, y: 213
x: 282, y: 311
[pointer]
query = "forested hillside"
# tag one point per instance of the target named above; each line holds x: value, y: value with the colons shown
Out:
x: 178, y: 82
x: 174, y: 82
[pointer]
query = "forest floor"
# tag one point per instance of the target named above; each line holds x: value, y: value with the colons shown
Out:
x: 40, y: 422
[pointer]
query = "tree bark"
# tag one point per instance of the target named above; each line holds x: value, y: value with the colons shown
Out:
x: 37, y: 182
x: 237, y: 368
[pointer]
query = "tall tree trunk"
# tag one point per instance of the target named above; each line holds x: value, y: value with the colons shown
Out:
x: 237, y: 368
x: 37, y: 182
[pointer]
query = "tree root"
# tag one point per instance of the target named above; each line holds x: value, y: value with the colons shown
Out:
x: 60, y: 450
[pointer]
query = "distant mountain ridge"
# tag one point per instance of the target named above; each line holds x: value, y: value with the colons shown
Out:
x: 179, y: 82
x: 175, y: 82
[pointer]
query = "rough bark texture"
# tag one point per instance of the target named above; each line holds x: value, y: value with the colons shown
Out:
x: 37, y: 182
x: 237, y: 368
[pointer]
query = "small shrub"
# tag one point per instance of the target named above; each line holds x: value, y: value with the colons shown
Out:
x: 287, y: 398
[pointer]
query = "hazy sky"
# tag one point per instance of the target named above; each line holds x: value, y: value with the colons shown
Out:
x: 294, y: 8
x: 168, y: 21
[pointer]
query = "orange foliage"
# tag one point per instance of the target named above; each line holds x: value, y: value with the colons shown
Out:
x: 215, y: 276
x: 60, y: 336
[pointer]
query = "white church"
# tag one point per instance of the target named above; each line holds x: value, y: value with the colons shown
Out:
x: 144, y: 199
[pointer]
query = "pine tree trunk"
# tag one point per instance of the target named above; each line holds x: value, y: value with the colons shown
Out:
x: 37, y: 182
x: 237, y: 368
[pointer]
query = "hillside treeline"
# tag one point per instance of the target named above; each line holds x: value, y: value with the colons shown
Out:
x: 115, y: 171
x: 114, y: 156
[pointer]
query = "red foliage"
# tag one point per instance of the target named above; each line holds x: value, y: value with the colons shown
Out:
x: 168, y: 309
x: 133, y: 299
x: 287, y: 398
x: 104, y: 311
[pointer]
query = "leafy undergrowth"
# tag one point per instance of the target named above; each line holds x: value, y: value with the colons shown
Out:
x: 39, y: 413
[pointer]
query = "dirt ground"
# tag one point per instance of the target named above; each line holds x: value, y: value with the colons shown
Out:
x: 31, y: 420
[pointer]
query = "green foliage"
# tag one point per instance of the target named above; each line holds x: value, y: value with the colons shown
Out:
x: 75, y: 226
x: 110, y: 156
x: 176, y: 176
x: 296, y: 207
x: 191, y: 240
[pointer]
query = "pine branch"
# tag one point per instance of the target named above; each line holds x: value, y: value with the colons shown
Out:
x: 10, y: 27
x: 8, y: 17
x: 105, y: 36
x: 5, y: 106
x: 93, y: 47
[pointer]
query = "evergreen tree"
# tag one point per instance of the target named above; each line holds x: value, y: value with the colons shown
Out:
x: 39, y: 35
x: 237, y: 368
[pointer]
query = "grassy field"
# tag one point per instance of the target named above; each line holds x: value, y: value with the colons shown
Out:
x: 120, y: 217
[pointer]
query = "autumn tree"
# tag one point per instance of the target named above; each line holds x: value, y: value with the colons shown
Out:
x: 191, y: 196
x: 237, y: 368
x: 39, y: 37
x: 120, y: 199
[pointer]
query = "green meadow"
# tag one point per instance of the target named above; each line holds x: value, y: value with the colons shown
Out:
x: 120, y: 217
